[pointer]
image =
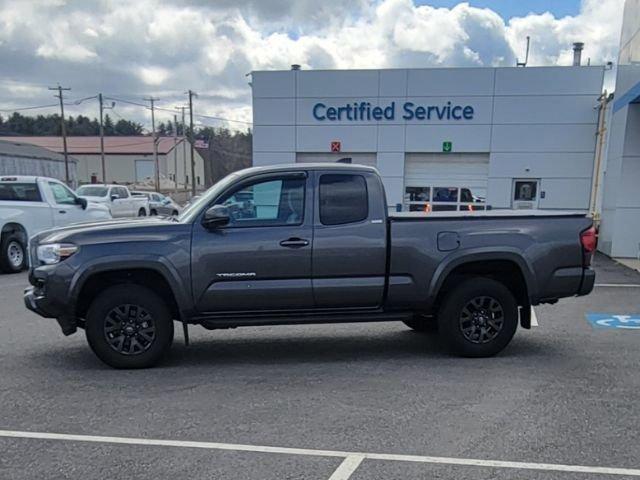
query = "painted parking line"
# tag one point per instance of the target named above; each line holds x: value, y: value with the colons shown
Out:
x: 355, y: 456
x: 347, y: 467
x: 534, y: 318
x: 617, y: 285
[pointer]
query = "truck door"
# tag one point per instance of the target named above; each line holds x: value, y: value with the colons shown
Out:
x: 120, y: 204
x: 260, y: 260
x: 349, y: 244
x: 66, y: 209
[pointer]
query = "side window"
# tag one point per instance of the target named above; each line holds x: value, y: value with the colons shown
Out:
x: 62, y: 194
x: 123, y: 192
x: 274, y: 202
x: 343, y: 199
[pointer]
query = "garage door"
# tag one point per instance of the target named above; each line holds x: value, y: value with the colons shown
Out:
x: 368, y: 159
x: 445, y: 181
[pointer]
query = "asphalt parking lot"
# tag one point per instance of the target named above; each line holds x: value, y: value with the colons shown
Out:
x: 560, y: 402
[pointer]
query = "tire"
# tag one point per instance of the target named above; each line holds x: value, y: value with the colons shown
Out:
x: 13, y: 253
x: 119, y: 339
x: 152, y: 213
x: 142, y: 212
x: 490, y: 330
x: 175, y: 213
x: 422, y: 324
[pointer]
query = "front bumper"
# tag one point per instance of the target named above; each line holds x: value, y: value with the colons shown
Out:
x: 36, y: 303
x: 39, y: 304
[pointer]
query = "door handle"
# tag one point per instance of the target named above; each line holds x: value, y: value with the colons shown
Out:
x: 294, y: 242
x: 62, y: 211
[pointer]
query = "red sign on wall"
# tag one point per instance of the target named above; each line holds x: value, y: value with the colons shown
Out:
x: 336, y: 146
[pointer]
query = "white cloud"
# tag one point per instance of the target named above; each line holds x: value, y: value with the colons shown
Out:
x: 163, y: 47
x: 153, y: 75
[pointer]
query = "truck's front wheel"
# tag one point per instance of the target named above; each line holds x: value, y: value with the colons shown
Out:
x: 478, y: 317
x: 129, y: 326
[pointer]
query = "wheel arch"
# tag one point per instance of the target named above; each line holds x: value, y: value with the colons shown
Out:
x: 153, y: 275
x: 510, y: 268
x: 15, y: 227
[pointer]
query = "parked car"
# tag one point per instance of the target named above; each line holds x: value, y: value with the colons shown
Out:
x: 118, y: 198
x: 159, y: 204
x: 29, y: 205
x: 312, y: 243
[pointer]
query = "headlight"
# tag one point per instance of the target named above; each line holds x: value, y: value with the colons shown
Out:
x: 53, y: 253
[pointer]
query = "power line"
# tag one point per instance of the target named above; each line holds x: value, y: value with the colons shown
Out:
x: 35, y: 107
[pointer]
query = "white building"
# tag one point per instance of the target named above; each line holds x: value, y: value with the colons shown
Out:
x: 442, y: 138
x: 620, y: 228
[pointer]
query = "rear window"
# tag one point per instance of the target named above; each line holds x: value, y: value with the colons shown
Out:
x: 343, y: 199
x: 20, y: 192
x: 92, y: 191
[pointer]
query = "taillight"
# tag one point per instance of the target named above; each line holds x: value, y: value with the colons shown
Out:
x: 589, y: 239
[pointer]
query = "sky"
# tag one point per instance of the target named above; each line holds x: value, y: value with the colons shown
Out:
x: 129, y: 50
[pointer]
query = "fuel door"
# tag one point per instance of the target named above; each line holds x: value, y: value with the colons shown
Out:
x: 448, y: 241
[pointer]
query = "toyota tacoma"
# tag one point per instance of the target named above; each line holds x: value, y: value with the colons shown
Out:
x: 304, y: 244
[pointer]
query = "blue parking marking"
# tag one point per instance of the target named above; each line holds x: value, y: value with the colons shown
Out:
x: 612, y: 320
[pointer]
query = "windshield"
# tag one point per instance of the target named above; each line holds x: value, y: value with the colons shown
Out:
x: 192, y: 210
x: 92, y: 191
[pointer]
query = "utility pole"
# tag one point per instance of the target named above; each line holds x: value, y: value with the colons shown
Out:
x: 151, y: 100
x: 191, y: 140
x: 104, y: 168
x: 102, y: 109
x: 184, y: 148
x: 175, y: 153
x: 64, y: 132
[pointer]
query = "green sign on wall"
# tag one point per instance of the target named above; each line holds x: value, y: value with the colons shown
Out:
x: 447, y: 146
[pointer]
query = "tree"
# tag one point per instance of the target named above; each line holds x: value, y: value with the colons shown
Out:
x: 107, y: 124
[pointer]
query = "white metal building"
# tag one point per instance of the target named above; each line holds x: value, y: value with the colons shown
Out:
x: 442, y: 138
x: 620, y: 228
x: 128, y: 159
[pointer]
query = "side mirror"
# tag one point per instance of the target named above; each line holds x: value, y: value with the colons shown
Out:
x: 114, y: 196
x: 82, y: 202
x: 216, y: 216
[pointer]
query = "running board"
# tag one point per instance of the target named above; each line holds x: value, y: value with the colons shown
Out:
x: 261, y: 319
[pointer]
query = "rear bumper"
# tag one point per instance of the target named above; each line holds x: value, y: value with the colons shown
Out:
x: 569, y: 282
x: 588, y: 281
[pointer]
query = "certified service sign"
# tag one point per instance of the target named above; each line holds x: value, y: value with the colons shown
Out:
x: 610, y: 320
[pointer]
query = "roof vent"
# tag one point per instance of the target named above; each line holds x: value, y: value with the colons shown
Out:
x: 295, y: 66
x: 577, y: 53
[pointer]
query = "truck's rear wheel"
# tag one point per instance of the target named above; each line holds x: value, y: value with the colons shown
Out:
x: 478, y: 318
x: 13, y: 257
x: 129, y: 326
x: 142, y: 212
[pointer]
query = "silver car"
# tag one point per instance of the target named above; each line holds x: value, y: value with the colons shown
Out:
x: 159, y: 204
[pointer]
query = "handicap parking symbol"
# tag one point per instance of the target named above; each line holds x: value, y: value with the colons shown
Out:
x: 609, y: 320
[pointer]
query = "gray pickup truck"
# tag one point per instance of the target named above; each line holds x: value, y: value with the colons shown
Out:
x: 306, y: 243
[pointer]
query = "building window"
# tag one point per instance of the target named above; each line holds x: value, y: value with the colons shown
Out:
x: 525, y: 191
x: 442, y: 199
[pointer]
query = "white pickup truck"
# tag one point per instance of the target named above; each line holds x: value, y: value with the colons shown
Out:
x: 29, y: 205
x: 117, y: 198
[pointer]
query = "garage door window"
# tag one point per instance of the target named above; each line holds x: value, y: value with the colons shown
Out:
x: 442, y: 199
x: 343, y: 199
